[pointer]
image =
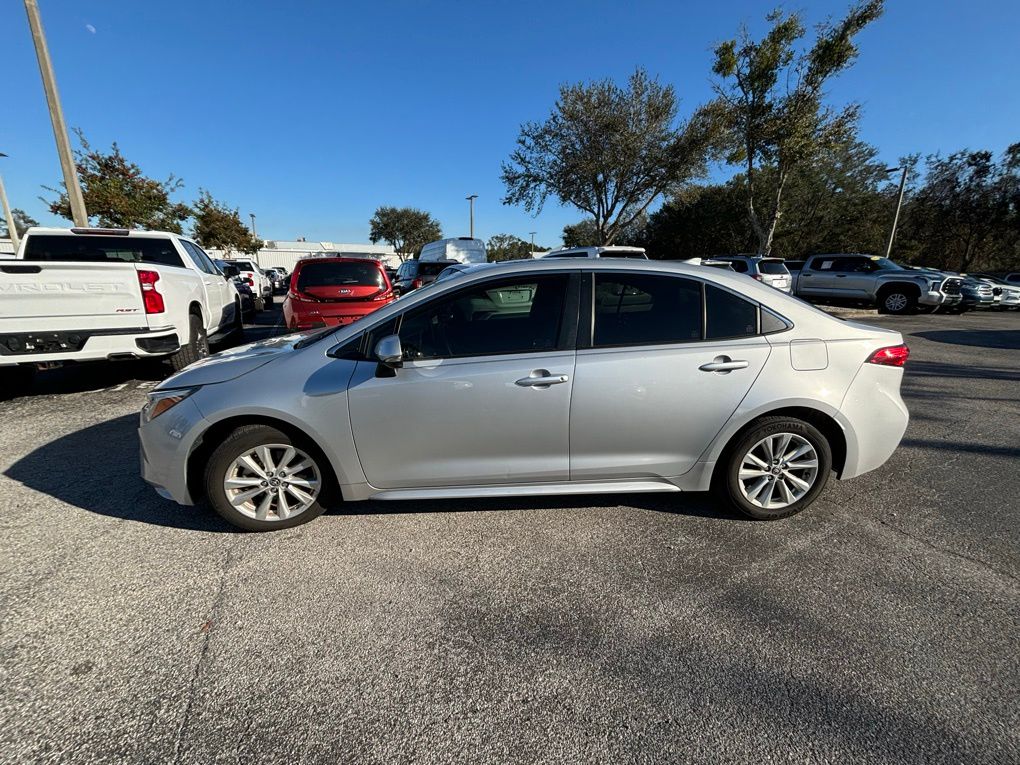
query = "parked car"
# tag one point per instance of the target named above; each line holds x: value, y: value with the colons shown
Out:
x: 278, y: 278
x: 537, y: 377
x: 770, y: 271
x: 335, y: 291
x: 90, y: 294
x: 877, y: 281
x: 977, y: 293
x: 391, y: 273
x: 255, y: 278
x: 462, y: 249
x: 1009, y: 293
x: 613, y: 251
x: 244, y: 293
x: 709, y: 263
x: 413, y: 274
x: 794, y: 267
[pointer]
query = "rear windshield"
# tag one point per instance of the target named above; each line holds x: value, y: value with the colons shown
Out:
x: 432, y: 269
x: 336, y: 274
x: 243, y: 265
x: 86, y: 248
x: 772, y: 267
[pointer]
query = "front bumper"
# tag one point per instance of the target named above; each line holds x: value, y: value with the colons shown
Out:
x: 164, y: 446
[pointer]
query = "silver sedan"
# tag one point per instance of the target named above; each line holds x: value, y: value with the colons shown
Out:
x: 536, y: 377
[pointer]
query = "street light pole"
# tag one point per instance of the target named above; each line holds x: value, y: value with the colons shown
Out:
x: 471, y: 200
x: 74, y: 196
x: 12, y: 230
x: 532, y: 241
x: 899, y: 204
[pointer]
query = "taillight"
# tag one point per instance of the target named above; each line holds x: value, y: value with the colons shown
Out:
x: 150, y: 295
x: 416, y: 283
x: 758, y: 277
x: 249, y: 282
x: 893, y: 356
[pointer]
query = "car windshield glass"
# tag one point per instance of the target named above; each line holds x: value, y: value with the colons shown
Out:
x: 884, y: 264
x: 335, y: 274
x: 89, y: 248
x: 772, y: 267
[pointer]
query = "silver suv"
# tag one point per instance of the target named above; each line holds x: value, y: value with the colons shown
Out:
x: 770, y: 271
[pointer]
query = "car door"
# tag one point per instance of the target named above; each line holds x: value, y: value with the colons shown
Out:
x: 857, y: 276
x: 819, y: 277
x: 483, y: 394
x: 659, y: 376
x: 219, y: 300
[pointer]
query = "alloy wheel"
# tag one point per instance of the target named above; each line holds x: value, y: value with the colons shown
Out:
x: 778, y: 471
x: 895, y: 302
x: 272, y: 482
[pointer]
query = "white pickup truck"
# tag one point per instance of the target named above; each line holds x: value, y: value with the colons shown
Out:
x: 88, y: 294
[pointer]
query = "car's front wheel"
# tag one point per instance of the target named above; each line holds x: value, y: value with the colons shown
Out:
x: 261, y: 479
x: 776, y: 469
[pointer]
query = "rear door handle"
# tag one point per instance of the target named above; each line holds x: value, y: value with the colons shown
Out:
x: 723, y: 364
x: 541, y: 378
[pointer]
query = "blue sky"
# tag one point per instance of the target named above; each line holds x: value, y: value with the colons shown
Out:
x: 311, y: 114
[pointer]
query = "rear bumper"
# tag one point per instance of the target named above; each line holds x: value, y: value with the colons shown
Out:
x: 86, y: 345
x: 876, y: 416
x: 329, y: 314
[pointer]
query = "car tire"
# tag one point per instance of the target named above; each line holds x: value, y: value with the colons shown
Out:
x: 738, y: 487
x: 246, y: 443
x: 897, y: 301
x: 196, y: 348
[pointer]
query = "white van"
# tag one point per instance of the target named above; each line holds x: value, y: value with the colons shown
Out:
x: 613, y: 251
x: 463, y: 249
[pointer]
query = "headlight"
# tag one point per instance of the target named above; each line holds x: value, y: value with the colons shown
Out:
x: 162, y: 401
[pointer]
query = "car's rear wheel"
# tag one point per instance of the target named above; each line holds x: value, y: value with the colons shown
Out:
x: 261, y: 479
x: 776, y: 469
x: 196, y: 348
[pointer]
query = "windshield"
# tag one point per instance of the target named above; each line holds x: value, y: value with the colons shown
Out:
x: 90, y: 248
x: 366, y: 274
x: 772, y: 268
x: 884, y: 264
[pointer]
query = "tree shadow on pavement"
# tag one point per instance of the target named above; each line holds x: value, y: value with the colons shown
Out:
x: 96, y: 469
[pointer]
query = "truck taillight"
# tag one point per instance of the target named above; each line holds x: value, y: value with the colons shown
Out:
x: 416, y: 284
x: 249, y: 281
x: 150, y: 295
x: 893, y: 356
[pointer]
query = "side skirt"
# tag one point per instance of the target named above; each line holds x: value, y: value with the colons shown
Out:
x: 530, y: 490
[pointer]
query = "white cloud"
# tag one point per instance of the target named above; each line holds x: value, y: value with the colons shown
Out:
x: 91, y: 29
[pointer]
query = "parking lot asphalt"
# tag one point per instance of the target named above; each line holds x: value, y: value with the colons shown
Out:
x: 882, y: 625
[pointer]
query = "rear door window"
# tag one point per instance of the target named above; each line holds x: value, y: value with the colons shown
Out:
x: 88, y: 248
x: 728, y: 315
x: 645, y: 309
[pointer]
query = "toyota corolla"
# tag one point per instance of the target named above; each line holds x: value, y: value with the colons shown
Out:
x: 536, y: 377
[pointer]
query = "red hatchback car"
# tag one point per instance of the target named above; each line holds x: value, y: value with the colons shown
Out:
x: 335, y: 291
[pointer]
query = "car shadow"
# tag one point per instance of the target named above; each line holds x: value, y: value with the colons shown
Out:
x: 57, y: 469
x: 1007, y: 339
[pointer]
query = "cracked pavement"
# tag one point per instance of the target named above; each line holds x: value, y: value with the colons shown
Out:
x: 882, y: 625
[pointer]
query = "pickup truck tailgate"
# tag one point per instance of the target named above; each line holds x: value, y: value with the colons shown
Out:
x: 57, y: 296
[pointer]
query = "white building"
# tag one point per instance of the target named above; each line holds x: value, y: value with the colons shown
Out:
x: 286, y: 254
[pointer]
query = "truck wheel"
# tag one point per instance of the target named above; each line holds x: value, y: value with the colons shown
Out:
x: 197, y: 347
x: 897, y: 300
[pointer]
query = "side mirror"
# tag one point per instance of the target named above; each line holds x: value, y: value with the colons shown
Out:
x: 389, y: 352
x: 229, y: 271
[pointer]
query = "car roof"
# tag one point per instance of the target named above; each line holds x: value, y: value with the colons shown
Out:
x: 340, y: 259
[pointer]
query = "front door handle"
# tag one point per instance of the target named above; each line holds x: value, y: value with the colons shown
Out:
x: 723, y: 364
x: 541, y: 378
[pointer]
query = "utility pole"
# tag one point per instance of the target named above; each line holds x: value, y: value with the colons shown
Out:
x: 471, y: 200
x: 254, y: 236
x: 74, y: 195
x: 12, y: 230
x: 532, y: 241
x: 899, y: 204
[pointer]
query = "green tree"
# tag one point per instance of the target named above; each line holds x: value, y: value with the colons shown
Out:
x: 22, y: 223
x: 585, y: 234
x: 218, y: 226
x: 608, y: 151
x: 118, y: 195
x: 701, y: 222
x: 509, y: 247
x: 966, y: 213
x: 770, y: 104
x: 405, y: 229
